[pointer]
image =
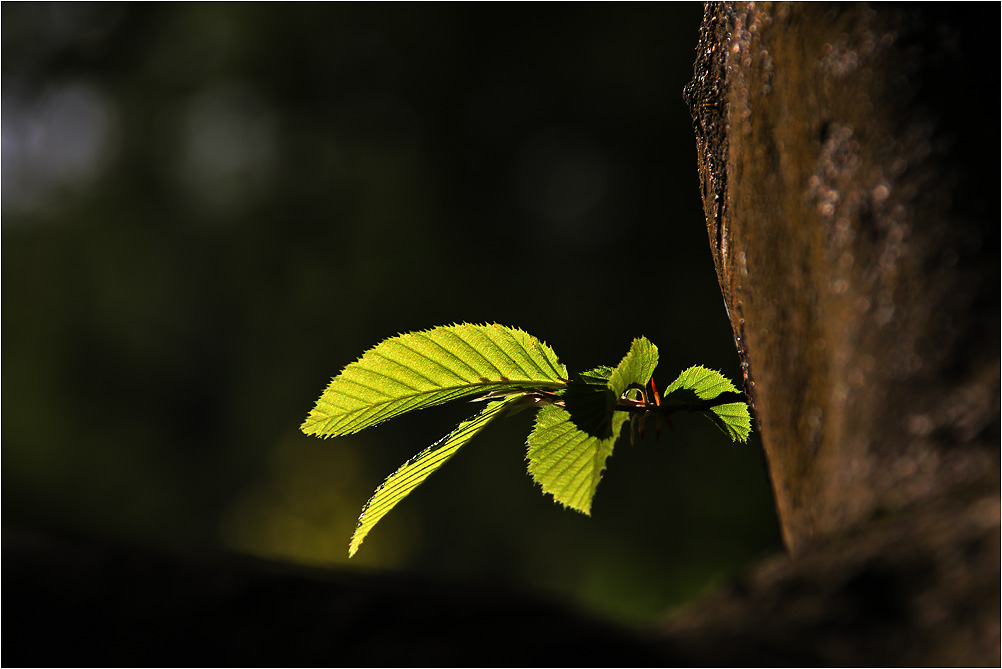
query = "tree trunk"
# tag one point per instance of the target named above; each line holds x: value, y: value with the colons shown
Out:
x: 846, y: 191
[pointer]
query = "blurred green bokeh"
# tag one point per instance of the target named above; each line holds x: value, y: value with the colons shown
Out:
x: 210, y: 209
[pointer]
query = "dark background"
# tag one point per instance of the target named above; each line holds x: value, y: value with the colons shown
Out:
x: 209, y: 210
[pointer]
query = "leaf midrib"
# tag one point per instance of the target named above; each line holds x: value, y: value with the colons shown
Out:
x: 347, y: 418
x: 473, y: 387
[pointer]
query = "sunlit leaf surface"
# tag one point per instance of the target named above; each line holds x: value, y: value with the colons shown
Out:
x: 566, y: 461
x: 706, y: 384
x: 421, y: 369
x: 401, y: 482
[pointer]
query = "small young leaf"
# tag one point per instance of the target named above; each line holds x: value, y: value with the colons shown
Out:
x: 636, y: 368
x: 422, y: 369
x: 412, y: 473
x: 734, y: 419
x: 707, y: 384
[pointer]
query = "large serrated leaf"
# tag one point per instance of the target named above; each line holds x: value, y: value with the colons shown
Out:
x: 707, y: 384
x: 422, y: 369
x: 568, y: 447
x: 412, y: 473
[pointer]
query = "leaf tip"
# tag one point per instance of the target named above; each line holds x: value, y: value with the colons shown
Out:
x: 358, y: 537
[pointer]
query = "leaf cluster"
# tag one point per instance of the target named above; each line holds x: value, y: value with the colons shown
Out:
x: 580, y: 417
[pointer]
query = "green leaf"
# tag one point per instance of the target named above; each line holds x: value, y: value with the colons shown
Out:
x: 568, y: 447
x: 701, y: 383
x: 705, y: 383
x: 412, y: 473
x: 567, y: 461
x: 734, y: 419
x: 599, y: 376
x: 636, y: 368
x: 422, y: 369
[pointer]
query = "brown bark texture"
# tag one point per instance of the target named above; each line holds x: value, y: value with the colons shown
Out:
x: 847, y: 189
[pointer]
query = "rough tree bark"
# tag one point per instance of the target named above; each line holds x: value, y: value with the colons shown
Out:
x: 847, y: 190
x: 847, y: 196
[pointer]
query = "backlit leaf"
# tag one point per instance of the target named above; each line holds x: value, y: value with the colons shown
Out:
x: 636, y: 368
x: 566, y: 461
x: 412, y: 473
x: 421, y: 369
x: 707, y: 384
